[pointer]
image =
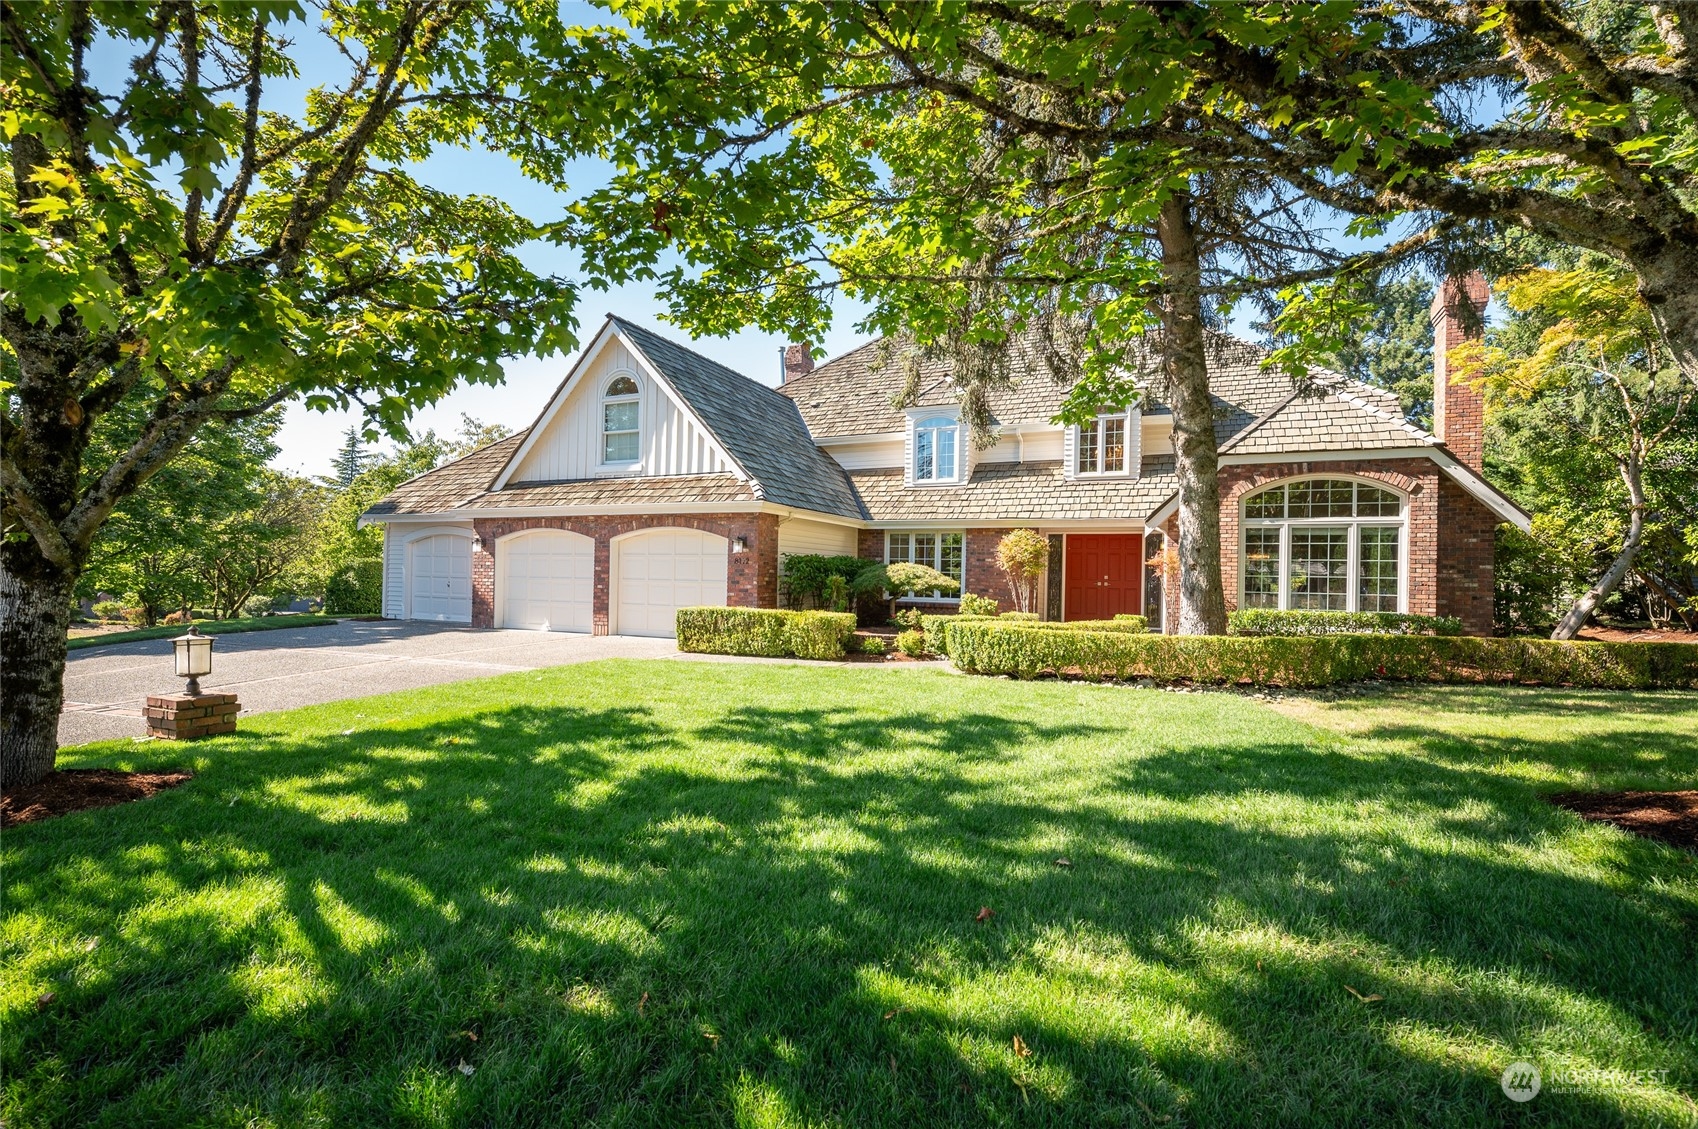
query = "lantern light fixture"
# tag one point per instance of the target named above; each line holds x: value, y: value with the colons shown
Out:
x: 739, y: 544
x: 194, y: 657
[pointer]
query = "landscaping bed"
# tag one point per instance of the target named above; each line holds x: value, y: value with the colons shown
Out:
x: 205, y: 626
x: 1668, y: 817
x: 78, y: 789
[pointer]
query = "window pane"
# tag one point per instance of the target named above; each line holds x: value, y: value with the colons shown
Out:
x: 619, y: 447
x: 1335, y: 498
x: 1319, y: 558
x: 1088, y: 449
x: 619, y: 417
x: 951, y: 555
x: 923, y: 455
x: 1298, y: 498
x: 1377, y: 589
x: 622, y: 386
x: 946, y: 452
x: 1269, y: 503
x: 1371, y: 501
x: 1114, y: 445
x: 898, y: 547
x: 925, y: 549
x: 1261, y: 567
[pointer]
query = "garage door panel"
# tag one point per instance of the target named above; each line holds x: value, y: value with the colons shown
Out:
x: 440, y: 578
x: 546, y: 581
x: 659, y: 572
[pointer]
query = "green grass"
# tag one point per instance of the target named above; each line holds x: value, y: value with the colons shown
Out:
x: 673, y: 893
x: 207, y: 627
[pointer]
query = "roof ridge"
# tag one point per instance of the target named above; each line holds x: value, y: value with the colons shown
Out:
x: 1359, y: 401
x: 1258, y: 422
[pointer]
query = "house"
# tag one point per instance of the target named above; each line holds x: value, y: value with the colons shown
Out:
x: 655, y: 479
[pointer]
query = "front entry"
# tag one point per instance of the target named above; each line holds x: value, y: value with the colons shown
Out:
x: 1105, y: 575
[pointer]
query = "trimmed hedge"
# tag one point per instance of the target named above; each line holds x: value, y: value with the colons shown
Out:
x: 765, y: 631
x: 1019, y: 650
x: 356, y: 589
x: 1270, y: 621
x: 937, y: 627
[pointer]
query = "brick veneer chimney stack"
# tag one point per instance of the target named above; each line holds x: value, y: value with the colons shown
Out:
x: 1458, y: 407
x: 798, y: 361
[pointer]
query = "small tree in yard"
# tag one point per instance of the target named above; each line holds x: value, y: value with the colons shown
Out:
x: 892, y: 582
x: 1022, y: 555
x: 1601, y: 426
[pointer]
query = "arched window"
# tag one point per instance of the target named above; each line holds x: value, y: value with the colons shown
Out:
x: 619, y: 431
x: 1323, y: 544
x: 935, y: 449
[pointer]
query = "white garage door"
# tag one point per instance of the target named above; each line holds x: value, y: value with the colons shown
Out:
x: 439, y: 571
x: 658, y: 572
x: 545, y: 581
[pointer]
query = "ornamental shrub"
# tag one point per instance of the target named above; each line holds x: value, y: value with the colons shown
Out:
x: 937, y: 627
x: 977, y: 605
x: 108, y: 609
x: 765, y: 631
x: 891, y: 582
x: 1024, y: 651
x: 809, y: 576
x: 1271, y: 621
x: 355, y: 589
x: 874, y: 645
x: 911, y: 643
x: 1026, y: 617
x: 907, y: 618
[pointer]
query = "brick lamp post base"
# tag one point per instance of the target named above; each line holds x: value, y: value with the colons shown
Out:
x: 183, y: 717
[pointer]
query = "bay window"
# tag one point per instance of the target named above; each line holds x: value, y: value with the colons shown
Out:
x: 1323, y: 544
x: 942, y: 551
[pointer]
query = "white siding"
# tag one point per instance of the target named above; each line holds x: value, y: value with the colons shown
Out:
x: 1069, y: 453
x: 868, y: 456
x: 394, y: 575
x: 1155, y: 436
x: 570, y: 448
x: 1046, y: 446
x: 800, y: 535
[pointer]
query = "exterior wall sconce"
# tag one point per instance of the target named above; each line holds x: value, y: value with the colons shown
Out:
x: 739, y: 544
x: 194, y: 657
x: 477, y: 541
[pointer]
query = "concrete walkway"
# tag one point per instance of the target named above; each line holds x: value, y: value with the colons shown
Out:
x: 303, y: 666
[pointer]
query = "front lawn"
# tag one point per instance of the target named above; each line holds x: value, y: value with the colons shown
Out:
x: 670, y: 893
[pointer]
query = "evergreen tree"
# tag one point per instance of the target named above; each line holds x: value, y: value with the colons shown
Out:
x: 1395, y: 350
x: 351, y: 460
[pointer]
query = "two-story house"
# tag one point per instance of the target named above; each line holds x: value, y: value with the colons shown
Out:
x: 656, y: 479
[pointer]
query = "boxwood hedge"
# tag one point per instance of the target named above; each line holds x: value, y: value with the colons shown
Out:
x: 1270, y: 621
x: 982, y: 647
x: 937, y: 627
x: 765, y: 631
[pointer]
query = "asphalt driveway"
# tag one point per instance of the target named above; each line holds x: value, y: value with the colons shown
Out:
x: 279, y: 670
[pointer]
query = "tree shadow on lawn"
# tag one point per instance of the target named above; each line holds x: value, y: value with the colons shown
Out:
x: 611, y: 918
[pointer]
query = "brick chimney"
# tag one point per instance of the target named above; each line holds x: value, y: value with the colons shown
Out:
x: 1458, y: 407
x: 798, y: 361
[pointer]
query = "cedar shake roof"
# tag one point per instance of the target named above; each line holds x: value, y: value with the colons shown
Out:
x: 452, y: 484
x: 760, y: 429
x: 1033, y: 491
x: 1336, y: 421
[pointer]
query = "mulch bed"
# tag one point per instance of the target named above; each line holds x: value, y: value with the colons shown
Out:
x: 1667, y: 817
x: 77, y: 789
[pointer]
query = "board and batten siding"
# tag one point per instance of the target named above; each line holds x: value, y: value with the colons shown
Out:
x: 394, y: 575
x: 670, y: 441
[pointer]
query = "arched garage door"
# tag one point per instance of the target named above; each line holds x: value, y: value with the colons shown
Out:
x: 545, y: 581
x: 658, y: 571
x: 439, y: 578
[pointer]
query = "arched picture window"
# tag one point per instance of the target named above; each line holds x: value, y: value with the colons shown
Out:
x: 1324, y: 544
x: 936, y: 444
x: 619, y: 421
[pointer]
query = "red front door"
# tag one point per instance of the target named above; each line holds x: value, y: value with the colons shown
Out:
x: 1105, y: 575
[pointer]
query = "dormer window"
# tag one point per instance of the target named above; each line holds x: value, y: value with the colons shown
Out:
x: 619, y: 421
x: 1107, y: 446
x: 936, y: 449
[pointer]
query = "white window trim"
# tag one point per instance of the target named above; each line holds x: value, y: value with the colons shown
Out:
x: 1132, y: 444
x: 1353, y: 550
x: 911, y: 448
x: 937, y: 560
x: 629, y: 398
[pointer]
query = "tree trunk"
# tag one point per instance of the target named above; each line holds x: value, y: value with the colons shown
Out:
x: 1575, y: 618
x: 1202, y: 598
x: 35, y: 614
x: 1668, y: 281
x: 1675, y: 601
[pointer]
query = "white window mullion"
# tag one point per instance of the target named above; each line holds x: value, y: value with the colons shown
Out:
x: 1352, y: 561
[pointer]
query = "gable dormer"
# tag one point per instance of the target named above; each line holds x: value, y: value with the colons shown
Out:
x: 935, y: 450
x: 1110, y: 446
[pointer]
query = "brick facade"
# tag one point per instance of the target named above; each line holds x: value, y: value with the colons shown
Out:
x: 184, y: 717
x: 751, y: 576
x: 1450, y: 533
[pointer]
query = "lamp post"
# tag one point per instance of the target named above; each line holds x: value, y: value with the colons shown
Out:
x: 194, y: 657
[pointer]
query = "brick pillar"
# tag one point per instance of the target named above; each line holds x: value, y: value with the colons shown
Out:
x: 483, y: 573
x: 1458, y: 407
x: 183, y: 717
